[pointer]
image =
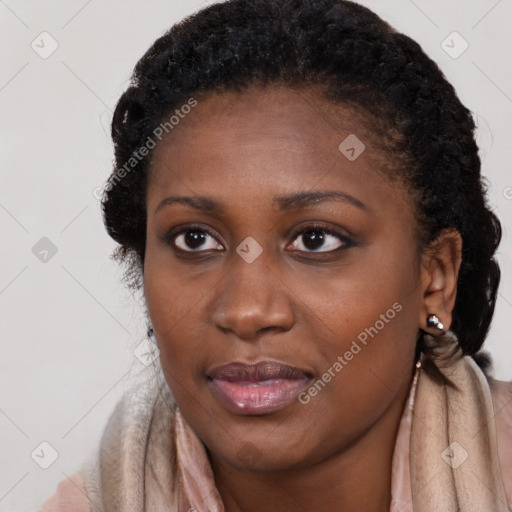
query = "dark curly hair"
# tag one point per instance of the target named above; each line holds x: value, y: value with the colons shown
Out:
x: 355, y: 59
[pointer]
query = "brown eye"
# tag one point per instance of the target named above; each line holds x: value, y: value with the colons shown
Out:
x: 195, y: 240
x: 319, y: 239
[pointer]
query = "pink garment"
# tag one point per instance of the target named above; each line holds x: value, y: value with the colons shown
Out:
x: 70, y: 496
x: 197, y: 478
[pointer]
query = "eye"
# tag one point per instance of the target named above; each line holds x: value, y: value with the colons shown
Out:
x: 194, y: 239
x: 313, y: 238
x: 318, y: 238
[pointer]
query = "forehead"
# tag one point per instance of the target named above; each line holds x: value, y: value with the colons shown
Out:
x: 270, y: 111
x: 267, y: 140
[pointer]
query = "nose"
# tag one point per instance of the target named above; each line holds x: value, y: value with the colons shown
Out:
x: 252, y: 298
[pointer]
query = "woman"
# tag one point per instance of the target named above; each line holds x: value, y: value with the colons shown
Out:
x: 297, y: 189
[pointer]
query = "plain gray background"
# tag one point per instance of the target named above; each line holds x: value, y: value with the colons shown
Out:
x: 69, y: 328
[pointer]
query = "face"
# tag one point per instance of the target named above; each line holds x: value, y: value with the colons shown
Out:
x: 289, y: 252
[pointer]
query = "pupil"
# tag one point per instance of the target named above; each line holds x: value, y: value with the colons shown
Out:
x: 312, y: 239
x: 194, y: 239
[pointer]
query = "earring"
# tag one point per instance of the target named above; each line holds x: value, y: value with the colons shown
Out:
x: 433, y: 321
x: 151, y: 332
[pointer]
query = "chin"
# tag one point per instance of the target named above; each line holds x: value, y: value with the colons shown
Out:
x: 262, y: 456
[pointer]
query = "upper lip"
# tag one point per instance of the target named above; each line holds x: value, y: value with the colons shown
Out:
x: 256, y: 372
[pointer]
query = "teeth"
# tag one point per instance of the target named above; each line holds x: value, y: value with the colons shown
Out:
x: 270, y: 382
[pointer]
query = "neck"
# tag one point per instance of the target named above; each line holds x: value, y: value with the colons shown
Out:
x: 357, y: 478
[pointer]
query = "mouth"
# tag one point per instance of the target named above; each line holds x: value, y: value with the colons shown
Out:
x: 260, y: 388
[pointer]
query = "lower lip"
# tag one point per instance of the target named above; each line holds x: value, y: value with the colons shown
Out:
x: 257, y: 397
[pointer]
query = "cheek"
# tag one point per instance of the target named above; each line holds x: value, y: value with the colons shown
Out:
x: 173, y: 296
x: 369, y: 325
x: 173, y: 306
x: 366, y: 372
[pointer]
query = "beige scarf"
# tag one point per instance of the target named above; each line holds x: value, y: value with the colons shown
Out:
x: 454, y: 454
x: 150, y: 460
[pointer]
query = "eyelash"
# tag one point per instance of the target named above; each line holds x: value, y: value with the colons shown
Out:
x: 346, y: 241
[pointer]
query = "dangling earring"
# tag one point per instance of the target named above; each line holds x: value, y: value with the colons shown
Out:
x: 151, y: 333
x: 433, y: 321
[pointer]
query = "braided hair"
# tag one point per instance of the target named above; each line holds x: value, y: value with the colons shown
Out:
x: 355, y: 58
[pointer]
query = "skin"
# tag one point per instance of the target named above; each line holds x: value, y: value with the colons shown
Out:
x: 291, y: 304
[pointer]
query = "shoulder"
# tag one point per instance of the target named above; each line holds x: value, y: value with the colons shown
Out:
x: 501, y: 393
x: 70, y: 496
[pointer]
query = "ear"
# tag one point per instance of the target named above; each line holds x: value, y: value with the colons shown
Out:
x: 439, y: 274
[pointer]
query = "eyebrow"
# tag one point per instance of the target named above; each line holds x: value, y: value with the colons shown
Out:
x: 284, y: 203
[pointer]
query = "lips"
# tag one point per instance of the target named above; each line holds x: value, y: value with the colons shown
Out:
x: 259, y: 388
